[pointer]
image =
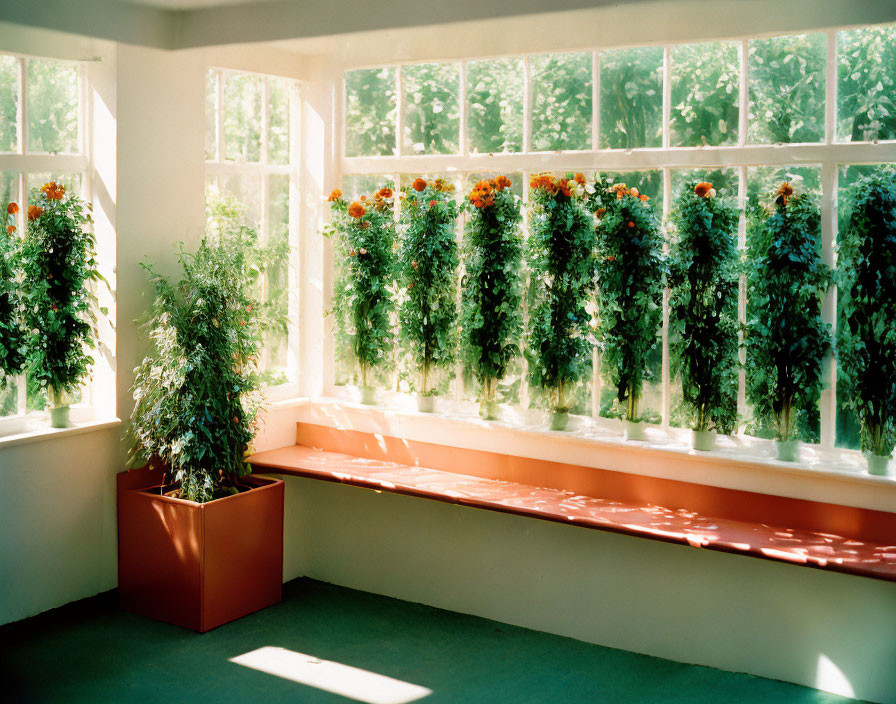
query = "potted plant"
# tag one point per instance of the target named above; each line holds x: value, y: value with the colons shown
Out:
x: 866, y: 336
x: 561, y: 260
x: 12, y: 330
x: 427, y: 270
x: 703, y: 283
x: 200, y: 541
x: 59, y: 262
x: 364, y: 232
x: 785, y: 337
x: 492, y: 287
x: 630, y: 277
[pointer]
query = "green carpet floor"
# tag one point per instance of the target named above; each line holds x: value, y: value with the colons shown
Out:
x: 92, y: 652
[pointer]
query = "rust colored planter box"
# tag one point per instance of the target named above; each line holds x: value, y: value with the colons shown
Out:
x: 198, y: 565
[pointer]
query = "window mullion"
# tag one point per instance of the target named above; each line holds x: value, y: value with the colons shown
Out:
x: 399, y: 118
x: 219, y: 114
x: 830, y: 91
x: 463, y: 141
x: 744, y: 95
x: 527, y: 113
x: 595, y: 100
x: 829, y: 187
x: 666, y: 366
x: 22, y: 128
x: 667, y: 96
x: 742, y: 295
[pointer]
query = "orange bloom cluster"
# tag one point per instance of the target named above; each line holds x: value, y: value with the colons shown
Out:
x: 549, y: 184
x: 384, y: 193
x: 335, y: 195
x: 12, y: 208
x: 418, y: 185
x: 10, y: 229
x: 442, y: 185
x: 621, y: 191
x: 52, y: 190
x: 34, y: 212
x: 703, y: 189
x: 356, y: 210
x: 783, y: 192
x: 483, y: 193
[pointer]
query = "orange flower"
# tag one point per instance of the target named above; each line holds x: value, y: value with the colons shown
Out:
x: 432, y: 204
x: 611, y: 258
x: 57, y: 193
x: 356, y: 210
x: 600, y: 212
x: 784, y: 191
x: 10, y: 229
x: 502, y: 182
x: 702, y: 189
x: 385, y: 193
x: 631, y: 223
x: 634, y: 192
x: 644, y: 198
x: 335, y: 195
x: 563, y: 185
x: 34, y: 212
x: 419, y: 184
x: 12, y: 208
x: 580, y: 178
x: 47, y: 187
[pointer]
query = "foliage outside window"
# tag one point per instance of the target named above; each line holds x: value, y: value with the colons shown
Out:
x: 427, y: 270
x: 491, y: 322
x: 561, y: 261
x: 705, y: 79
x: 59, y: 262
x: 703, y: 282
x: 495, y: 105
x: 561, y: 102
x: 195, y: 394
x: 866, y: 337
x: 866, y: 84
x: 786, y: 339
x: 630, y: 278
x: 430, y: 96
x: 362, y: 300
x: 370, y: 102
x: 631, y: 98
x: 787, y: 76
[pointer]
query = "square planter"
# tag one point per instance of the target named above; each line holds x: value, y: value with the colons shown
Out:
x: 198, y: 565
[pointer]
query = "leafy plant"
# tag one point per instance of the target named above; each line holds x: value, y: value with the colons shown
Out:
x: 427, y: 269
x: 704, y: 94
x: 561, y: 260
x: 631, y: 274
x: 362, y: 301
x: 703, y: 282
x: 495, y: 105
x: 59, y: 263
x: 866, y: 339
x: 12, y: 329
x: 785, y: 338
x: 195, y: 400
x: 866, y: 84
x: 492, y: 288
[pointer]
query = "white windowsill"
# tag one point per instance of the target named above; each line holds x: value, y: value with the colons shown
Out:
x: 829, y: 475
x: 37, y: 429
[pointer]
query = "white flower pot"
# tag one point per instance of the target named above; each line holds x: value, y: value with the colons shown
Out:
x: 634, y: 430
x: 788, y: 450
x: 559, y: 420
x: 426, y: 404
x: 59, y: 417
x: 368, y: 395
x: 877, y: 465
x: 703, y: 440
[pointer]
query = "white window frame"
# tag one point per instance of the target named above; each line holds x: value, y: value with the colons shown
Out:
x: 828, y: 154
x: 219, y: 166
x: 26, y: 163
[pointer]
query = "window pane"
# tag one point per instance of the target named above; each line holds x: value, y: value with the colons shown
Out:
x: 277, y: 248
x: 353, y: 187
x: 849, y: 429
x: 71, y: 181
x: 53, y: 102
x: 370, y: 102
x: 561, y: 102
x: 495, y: 105
x: 866, y: 86
x: 9, y: 103
x: 243, y: 98
x: 631, y: 98
x: 431, y: 108
x: 278, y: 121
x: 787, y: 89
x: 705, y: 80
x: 649, y: 183
x: 211, y: 114
x: 724, y: 180
x: 763, y: 180
x: 246, y: 189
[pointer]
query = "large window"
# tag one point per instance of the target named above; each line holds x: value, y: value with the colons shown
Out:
x: 251, y: 183
x: 43, y: 137
x: 742, y: 113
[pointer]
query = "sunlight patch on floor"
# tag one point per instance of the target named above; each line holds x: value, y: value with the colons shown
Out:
x: 334, y: 677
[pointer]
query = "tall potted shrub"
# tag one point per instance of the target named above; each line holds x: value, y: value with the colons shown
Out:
x: 866, y: 337
x: 631, y: 273
x: 560, y: 257
x: 204, y: 546
x: 703, y: 283
x: 12, y: 330
x: 61, y: 274
x: 427, y: 270
x: 785, y: 338
x: 364, y: 233
x: 492, y: 287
